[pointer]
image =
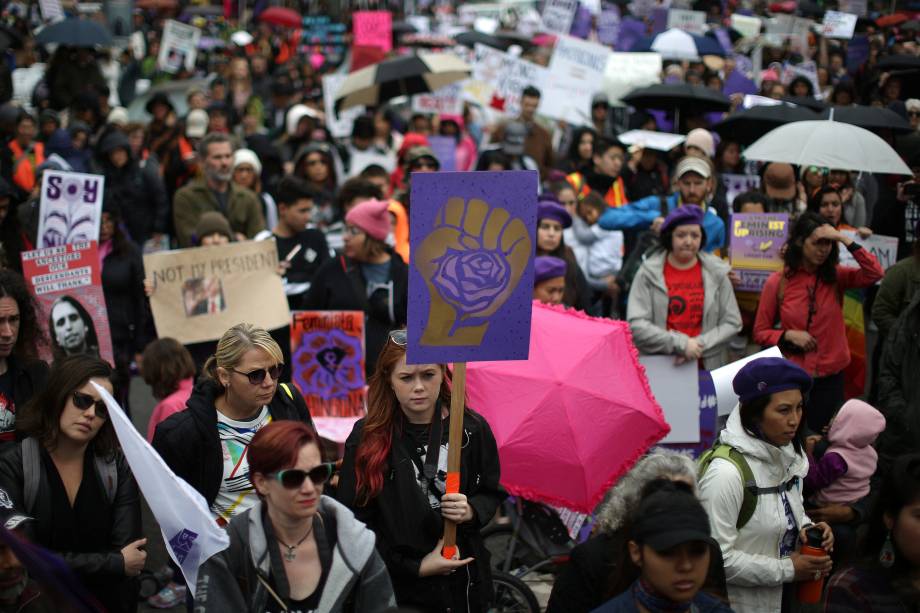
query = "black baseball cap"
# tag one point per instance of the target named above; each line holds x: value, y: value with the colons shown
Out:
x: 668, y: 518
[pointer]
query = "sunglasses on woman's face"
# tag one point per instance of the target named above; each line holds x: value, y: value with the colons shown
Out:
x: 84, y: 401
x: 258, y: 376
x: 399, y: 337
x: 293, y: 478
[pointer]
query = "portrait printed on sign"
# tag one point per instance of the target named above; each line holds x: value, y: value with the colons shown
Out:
x: 70, y: 209
x: 203, y: 296
x: 72, y: 329
x: 471, y: 280
x: 327, y: 355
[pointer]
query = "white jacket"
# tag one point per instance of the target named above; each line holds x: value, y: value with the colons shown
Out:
x: 754, y: 572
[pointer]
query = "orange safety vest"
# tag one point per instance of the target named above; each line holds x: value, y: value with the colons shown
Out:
x: 25, y: 162
x: 615, y: 196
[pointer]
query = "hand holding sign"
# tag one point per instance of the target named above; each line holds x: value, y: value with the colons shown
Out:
x: 471, y: 263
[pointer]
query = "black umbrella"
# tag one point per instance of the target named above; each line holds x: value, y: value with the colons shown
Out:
x: 807, y: 101
x: 75, y: 33
x: 869, y: 117
x: 683, y: 97
x: 471, y: 38
x: 898, y: 62
x: 750, y: 124
x: 404, y: 27
x: 401, y: 76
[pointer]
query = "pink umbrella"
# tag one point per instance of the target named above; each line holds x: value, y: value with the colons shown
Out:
x: 573, y: 418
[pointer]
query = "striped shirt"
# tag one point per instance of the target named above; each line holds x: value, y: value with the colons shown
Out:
x: 236, y: 493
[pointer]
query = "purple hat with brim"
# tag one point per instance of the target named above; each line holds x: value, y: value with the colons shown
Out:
x: 765, y: 376
x: 689, y: 214
x: 547, y: 209
x: 547, y: 267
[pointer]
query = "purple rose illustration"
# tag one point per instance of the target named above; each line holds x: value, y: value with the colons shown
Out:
x: 328, y: 364
x: 470, y: 281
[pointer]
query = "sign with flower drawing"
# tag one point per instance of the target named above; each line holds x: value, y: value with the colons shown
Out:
x: 471, y: 278
x: 327, y: 361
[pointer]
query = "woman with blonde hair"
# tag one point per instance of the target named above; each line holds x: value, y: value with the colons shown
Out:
x: 238, y: 394
x: 394, y: 479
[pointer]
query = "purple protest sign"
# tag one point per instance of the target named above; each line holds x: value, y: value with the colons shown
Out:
x: 581, y: 24
x: 756, y: 243
x: 608, y: 24
x: 631, y: 30
x: 445, y: 149
x: 471, y: 278
x: 659, y: 20
x: 737, y: 83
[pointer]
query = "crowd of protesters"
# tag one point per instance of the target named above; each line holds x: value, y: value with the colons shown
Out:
x: 805, y: 485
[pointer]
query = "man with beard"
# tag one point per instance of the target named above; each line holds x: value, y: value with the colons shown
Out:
x: 216, y: 192
x: 694, y: 186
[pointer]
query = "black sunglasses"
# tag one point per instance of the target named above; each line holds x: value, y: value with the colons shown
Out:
x: 294, y: 477
x: 258, y: 376
x: 84, y: 401
x: 399, y: 337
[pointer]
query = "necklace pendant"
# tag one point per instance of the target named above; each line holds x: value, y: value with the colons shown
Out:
x: 289, y: 554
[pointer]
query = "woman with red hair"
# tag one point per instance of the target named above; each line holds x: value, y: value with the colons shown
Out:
x: 295, y: 550
x: 394, y: 474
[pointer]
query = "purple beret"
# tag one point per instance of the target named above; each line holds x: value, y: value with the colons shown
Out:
x: 686, y: 215
x: 547, y: 209
x: 547, y: 267
x: 765, y: 376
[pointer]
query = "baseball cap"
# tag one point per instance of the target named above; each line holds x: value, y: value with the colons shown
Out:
x: 693, y: 164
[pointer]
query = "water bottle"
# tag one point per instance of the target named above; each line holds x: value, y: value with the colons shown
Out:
x: 810, y: 591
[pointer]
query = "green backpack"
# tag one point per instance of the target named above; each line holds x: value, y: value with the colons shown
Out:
x: 751, y: 491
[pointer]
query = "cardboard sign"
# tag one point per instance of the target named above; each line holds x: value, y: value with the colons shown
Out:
x: 70, y: 208
x: 67, y: 284
x: 373, y: 29
x: 838, y: 25
x: 738, y: 184
x: 647, y: 139
x: 471, y: 277
x: 576, y: 72
x: 748, y: 27
x: 608, y: 24
x: 755, y: 244
x: 693, y: 22
x: 339, y: 125
x: 558, y: 16
x: 884, y: 248
x: 499, y: 78
x: 327, y: 361
x: 179, y: 47
x: 201, y: 292
x: 445, y: 101
x: 445, y: 149
x: 628, y: 71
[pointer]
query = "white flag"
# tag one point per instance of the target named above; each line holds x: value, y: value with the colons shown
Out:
x: 190, y: 532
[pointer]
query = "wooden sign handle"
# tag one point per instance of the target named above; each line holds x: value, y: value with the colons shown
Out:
x: 454, y: 444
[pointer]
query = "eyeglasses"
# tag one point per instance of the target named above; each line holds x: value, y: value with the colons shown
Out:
x: 258, y: 376
x: 399, y: 337
x: 817, y: 170
x: 84, y: 401
x: 293, y: 478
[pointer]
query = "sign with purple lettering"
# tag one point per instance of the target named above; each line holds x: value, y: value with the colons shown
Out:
x: 70, y: 208
x: 471, y: 279
x: 756, y: 246
x: 445, y: 149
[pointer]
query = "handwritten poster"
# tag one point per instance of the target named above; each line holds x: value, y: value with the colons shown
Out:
x: 839, y: 25
x: 373, y: 29
x: 884, y: 248
x: 179, y: 47
x: 558, y: 16
x: 70, y: 208
x: 447, y: 100
x: 471, y: 280
x: 576, y: 73
x: 755, y: 244
x: 327, y: 361
x: 340, y: 124
x: 499, y: 78
x: 67, y: 283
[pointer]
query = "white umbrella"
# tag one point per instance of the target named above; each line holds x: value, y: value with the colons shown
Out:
x: 828, y: 144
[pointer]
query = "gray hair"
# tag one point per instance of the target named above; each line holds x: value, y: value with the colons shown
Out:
x: 212, y: 138
x: 623, y: 498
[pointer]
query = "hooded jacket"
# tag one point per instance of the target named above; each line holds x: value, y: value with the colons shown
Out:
x: 851, y: 436
x: 357, y: 579
x: 754, y: 572
x: 599, y: 252
x: 639, y: 215
x: 647, y: 310
x: 189, y: 444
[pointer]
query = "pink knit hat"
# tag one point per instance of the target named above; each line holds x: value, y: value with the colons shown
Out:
x: 371, y: 216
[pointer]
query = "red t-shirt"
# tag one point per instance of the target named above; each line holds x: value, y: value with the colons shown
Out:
x: 685, y: 298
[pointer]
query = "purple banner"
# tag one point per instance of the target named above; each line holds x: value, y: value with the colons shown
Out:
x: 471, y: 278
x: 608, y: 24
x: 659, y: 20
x: 445, y: 149
x: 631, y: 30
x: 581, y: 24
x: 737, y: 83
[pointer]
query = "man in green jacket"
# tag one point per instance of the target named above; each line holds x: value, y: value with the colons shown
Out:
x: 216, y: 192
x: 901, y: 283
